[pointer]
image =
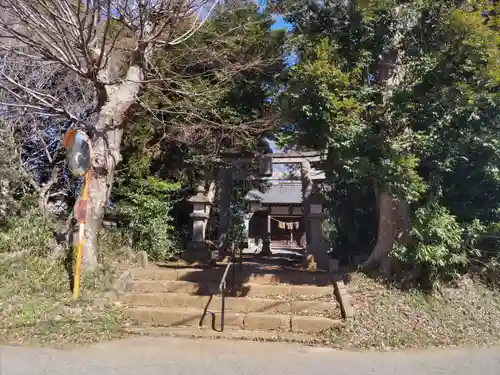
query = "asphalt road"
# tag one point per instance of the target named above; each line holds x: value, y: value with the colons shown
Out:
x: 173, y: 356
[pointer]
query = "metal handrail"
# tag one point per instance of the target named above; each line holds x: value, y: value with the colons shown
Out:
x: 222, y: 290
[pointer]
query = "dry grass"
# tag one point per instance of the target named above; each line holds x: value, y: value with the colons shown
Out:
x: 36, y: 305
x: 386, y: 318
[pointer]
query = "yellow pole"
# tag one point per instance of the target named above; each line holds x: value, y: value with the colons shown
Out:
x: 78, y: 265
x: 81, y: 240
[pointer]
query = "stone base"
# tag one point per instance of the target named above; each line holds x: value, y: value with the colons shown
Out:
x: 197, y: 252
x: 266, y: 249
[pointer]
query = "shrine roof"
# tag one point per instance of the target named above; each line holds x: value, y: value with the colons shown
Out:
x: 279, y: 192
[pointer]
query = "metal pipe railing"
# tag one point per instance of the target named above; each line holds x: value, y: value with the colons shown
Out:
x: 222, y: 290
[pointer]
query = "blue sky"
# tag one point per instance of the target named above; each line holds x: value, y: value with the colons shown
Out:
x: 279, y: 23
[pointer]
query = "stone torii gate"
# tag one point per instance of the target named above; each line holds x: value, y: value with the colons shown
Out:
x: 313, y: 208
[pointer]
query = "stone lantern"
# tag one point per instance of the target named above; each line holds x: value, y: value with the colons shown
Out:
x: 197, y: 249
x: 253, y: 205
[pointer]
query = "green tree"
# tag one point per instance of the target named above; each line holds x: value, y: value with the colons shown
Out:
x: 403, y: 96
x: 215, y: 100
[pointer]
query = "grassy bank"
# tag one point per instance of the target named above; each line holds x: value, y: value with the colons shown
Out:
x: 36, y: 305
x: 466, y: 314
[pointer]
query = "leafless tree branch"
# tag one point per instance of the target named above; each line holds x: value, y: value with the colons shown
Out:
x: 90, y: 38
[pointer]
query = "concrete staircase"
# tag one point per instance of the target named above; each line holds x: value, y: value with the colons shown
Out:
x: 263, y: 299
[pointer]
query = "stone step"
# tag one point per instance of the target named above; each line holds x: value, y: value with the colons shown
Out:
x: 246, y: 276
x: 296, y: 292
x: 160, y: 316
x: 172, y: 286
x: 283, y: 291
x: 235, y: 304
x: 185, y: 274
x: 228, y: 333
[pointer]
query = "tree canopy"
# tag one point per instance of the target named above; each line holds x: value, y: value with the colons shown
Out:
x: 402, y: 95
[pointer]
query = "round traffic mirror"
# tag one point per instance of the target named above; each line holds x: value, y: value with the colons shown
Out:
x: 79, y: 151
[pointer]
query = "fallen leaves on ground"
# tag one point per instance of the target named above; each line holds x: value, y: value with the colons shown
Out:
x: 386, y: 317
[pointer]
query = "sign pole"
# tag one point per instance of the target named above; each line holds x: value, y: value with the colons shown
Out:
x: 81, y: 237
x: 79, y: 160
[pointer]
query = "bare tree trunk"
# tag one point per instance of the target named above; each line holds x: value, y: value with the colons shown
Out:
x: 394, y: 225
x: 385, y: 231
x: 98, y: 193
x: 106, y: 155
x: 212, y: 190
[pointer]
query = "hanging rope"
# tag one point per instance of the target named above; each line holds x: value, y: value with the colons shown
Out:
x: 287, y: 224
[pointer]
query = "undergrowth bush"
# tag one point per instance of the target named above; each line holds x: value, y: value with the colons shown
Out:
x: 436, y: 250
x: 12, y: 178
x: 484, y: 250
x: 30, y: 232
x: 144, y: 212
